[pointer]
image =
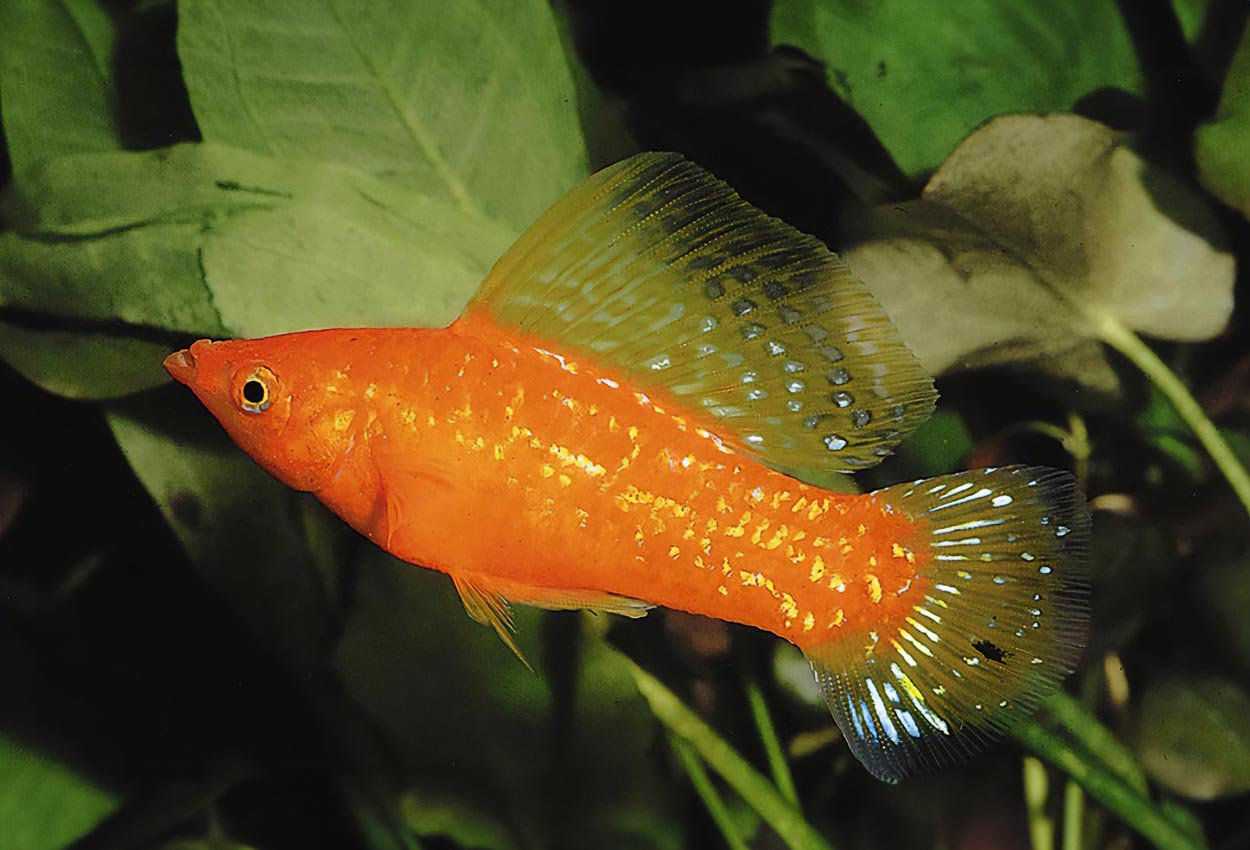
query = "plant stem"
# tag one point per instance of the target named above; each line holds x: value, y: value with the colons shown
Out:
x: 772, y: 747
x: 757, y: 791
x: 1036, y: 789
x: 1123, y: 340
x: 1073, y: 815
x: 707, y: 792
x: 1135, y: 810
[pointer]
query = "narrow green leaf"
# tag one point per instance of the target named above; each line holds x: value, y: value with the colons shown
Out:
x: 783, y: 818
x: 703, y: 786
x: 1135, y: 810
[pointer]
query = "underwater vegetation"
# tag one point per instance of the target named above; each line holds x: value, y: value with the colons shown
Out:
x: 1052, y: 206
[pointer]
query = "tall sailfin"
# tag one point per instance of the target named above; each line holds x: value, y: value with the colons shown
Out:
x: 1001, y: 621
x: 658, y: 270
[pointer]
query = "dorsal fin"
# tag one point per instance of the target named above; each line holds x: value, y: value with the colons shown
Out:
x: 660, y: 271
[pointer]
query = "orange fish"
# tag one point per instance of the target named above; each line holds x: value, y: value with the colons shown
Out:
x: 624, y: 417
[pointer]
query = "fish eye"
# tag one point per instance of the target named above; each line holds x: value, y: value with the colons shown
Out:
x: 254, y: 393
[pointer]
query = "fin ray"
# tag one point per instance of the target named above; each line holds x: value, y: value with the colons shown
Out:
x: 1002, y: 621
x: 655, y: 268
x: 488, y: 607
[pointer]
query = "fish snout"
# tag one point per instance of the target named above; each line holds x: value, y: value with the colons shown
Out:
x: 181, y: 365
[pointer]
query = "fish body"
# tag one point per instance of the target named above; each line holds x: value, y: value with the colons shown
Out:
x: 622, y: 418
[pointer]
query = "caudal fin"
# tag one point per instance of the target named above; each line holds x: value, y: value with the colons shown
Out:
x: 999, y: 621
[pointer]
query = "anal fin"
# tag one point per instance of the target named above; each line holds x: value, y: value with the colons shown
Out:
x: 487, y: 599
x: 487, y: 605
x: 595, y: 601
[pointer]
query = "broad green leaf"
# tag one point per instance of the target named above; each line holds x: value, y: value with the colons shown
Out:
x: 83, y: 364
x: 1193, y: 736
x: 348, y: 251
x: 474, y: 727
x: 212, y: 241
x: 44, y: 805
x: 926, y: 74
x: 1033, y: 233
x: 471, y: 103
x: 55, y: 79
x: 1222, y: 147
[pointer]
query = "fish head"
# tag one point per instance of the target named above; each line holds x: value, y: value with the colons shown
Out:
x: 259, y: 391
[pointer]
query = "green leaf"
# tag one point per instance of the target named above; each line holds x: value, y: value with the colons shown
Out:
x: 473, y: 728
x: 83, y: 365
x: 55, y: 79
x: 783, y: 818
x: 471, y: 103
x: 347, y: 250
x: 1222, y: 147
x: 1193, y: 737
x: 1034, y: 234
x: 926, y: 74
x: 938, y: 445
x: 243, y: 529
x: 212, y: 241
x: 43, y: 805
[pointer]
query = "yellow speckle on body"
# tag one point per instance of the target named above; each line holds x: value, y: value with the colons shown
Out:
x: 674, y: 552
x: 722, y: 590
x: 819, y: 542
x: 872, y: 560
x: 874, y: 587
x: 547, y: 470
x: 371, y: 390
x: 408, y: 417
x: 898, y: 551
x: 862, y: 530
x: 836, y: 582
x: 788, y: 606
x: 564, y: 480
x: 838, y: 618
x: 633, y: 433
x: 818, y: 569
x: 809, y: 622
x: 799, y: 505
x: 431, y: 421
x: 499, y: 452
x: 343, y: 419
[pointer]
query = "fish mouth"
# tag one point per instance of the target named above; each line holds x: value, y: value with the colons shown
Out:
x: 181, y: 366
